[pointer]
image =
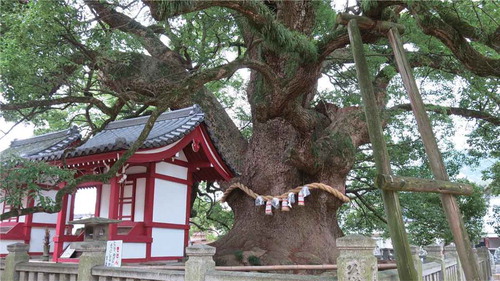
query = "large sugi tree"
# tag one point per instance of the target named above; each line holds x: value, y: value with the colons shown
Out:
x: 90, y: 62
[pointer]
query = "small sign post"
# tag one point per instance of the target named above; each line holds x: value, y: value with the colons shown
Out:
x: 113, y: 256
x: 67, y: 253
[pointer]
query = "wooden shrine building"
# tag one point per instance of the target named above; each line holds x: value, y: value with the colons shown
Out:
x: 151, y: 195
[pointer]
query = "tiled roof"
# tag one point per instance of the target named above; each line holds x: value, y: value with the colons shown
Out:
x: 118, y: 135
x: 43, y: 144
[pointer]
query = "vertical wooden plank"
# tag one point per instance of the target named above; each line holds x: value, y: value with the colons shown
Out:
x: 449, y: 202
x: 406, y: 268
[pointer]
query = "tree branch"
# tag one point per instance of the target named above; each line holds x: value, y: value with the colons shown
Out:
x: 150, y: 40
x: 468, y: 113
x: 59, y: 101
x: 471, y: 32
x: 449, y: 36
x: 369, y: 207
x: 199, y: 79
x: 256, y: 13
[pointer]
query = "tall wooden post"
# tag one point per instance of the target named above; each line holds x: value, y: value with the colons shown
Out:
x: 60, y: 229
x: 404, y: 260
x: 113, y: 205
x: 462, y: 242
x: 149, y: 202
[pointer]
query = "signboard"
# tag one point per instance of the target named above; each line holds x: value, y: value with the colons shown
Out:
x: 67, y: 253
x: 113, y: 256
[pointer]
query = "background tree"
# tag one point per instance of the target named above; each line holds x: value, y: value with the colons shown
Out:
x: 93, y: 62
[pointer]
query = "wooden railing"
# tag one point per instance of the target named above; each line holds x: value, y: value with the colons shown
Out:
x: 453, y: 271
x: 432, y: 271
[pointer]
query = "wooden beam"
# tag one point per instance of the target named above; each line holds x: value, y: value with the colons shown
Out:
x: 406, y: 267
x: 397, y: 183
x: 450, y: 205
x: 366, y: 23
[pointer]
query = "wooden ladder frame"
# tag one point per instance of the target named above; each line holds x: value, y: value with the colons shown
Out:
x: 390, y: 184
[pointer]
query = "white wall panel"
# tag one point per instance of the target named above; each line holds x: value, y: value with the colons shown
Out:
x: 167, y: 242
x: 127, y: 189
x: 134, y: 250
x: 171, y: 170
x: 44, y: 217
x: 169, y: 202
x: 140, y: 195
x: 106, y: 189
x: 37, y: 235
x: 136, y: 170
x: 4, y: 243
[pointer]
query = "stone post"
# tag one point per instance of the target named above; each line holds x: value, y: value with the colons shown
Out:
x: 18, y: 253
x: 386, y: 254
x: 92, y: 255
x: 200, y: 262
x: 450, y: 252
x: 484, y: 255
x: 415, y: 250
x: 435, y: 254
x: 356, y: 260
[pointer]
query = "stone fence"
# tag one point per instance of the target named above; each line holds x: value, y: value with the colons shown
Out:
x: 355, y: 262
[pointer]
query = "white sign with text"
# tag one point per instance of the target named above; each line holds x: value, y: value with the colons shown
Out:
x: 114, y: 253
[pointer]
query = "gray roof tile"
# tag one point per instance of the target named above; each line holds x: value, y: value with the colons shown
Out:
x: 43, y: 144
x: 118, y: 135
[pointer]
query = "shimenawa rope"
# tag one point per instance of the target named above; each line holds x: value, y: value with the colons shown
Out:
x: 296, y: 190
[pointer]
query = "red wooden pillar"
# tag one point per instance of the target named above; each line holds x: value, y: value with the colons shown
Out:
x: 60, y: 228
x: 189, y: 187
x: 113, y: 206
x: 28, y: 220
x: 149, y: 205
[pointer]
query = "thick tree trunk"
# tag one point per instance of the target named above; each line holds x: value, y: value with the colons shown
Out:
x: 292, y: 144
x: 305, y: 234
